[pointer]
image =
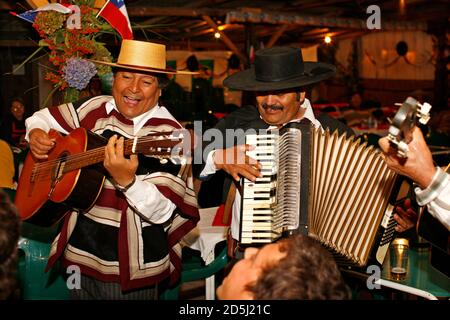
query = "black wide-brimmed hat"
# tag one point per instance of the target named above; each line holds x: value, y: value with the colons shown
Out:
x: 279, y: 68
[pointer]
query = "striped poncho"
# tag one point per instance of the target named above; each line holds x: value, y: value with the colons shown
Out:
x: 112, y: 242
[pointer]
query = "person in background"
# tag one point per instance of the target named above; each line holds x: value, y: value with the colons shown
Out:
x: 13, y: 127
x: 355, y: 115
x: 294, y: 268
x: 9, y: 238
x: 7, y: 166
x: 432, y: 183
x: 13, y: 132
x: 127, y: 245
x: 356, y: 101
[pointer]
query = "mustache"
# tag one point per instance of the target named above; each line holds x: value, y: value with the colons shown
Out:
x: 266, y: 106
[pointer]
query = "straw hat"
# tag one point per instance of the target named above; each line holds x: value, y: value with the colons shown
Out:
x: 279, y: 68
x: 142, y: 56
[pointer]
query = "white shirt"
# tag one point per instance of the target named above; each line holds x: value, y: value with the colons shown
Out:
x: 210, y: 168
x: 142, y: 195
x: 437, y: 197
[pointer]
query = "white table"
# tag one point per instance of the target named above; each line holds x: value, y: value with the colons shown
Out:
x: 204, y: 238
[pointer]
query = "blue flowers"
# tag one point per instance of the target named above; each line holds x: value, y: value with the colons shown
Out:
x: 78, y: 72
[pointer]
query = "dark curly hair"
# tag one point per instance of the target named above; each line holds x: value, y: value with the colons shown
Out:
x: 307, y: 272
x: 9, y: 237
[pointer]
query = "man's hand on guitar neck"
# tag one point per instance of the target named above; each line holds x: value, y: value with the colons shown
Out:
x: 121, y: 169
x: 418, y: 165
x: 40, y: 143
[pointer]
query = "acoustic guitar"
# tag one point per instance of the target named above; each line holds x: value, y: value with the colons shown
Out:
x: 73, y: 174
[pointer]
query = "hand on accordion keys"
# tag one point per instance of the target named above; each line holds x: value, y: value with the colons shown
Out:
x: 236, y: 163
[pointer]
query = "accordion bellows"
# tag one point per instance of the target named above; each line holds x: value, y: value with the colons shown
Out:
x: 332, y: 187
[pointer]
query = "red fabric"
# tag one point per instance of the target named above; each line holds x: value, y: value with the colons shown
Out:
x: 116, y: 14
x: 218, y: 219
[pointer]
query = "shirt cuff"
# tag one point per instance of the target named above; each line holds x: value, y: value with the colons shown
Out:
x: 42, y: 119
x: 210, y: 167
x: 425, y: 196
x: 35, y: 123
x: 147, y: 200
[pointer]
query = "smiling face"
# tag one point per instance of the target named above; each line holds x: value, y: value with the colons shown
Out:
x: 135, y: 93
x: 280, y: 107
x: 247, y: 271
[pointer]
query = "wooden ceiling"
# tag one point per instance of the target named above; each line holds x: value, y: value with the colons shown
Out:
x: 190, y: 25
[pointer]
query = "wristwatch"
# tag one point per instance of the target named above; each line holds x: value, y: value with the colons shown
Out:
x: 122, y: 188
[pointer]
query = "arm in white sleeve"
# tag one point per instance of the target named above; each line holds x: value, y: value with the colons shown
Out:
x: 146, y: 199
x: 42, y: 119
x: 210, y: 167
x: 437, y: 197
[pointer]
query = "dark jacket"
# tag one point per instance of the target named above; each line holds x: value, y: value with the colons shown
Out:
x: 245, y: 118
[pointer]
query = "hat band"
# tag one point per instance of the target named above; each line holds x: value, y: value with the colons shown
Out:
x: 139, y: 67
x: 272, y: 79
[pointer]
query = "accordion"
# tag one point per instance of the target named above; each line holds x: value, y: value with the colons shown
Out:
x: 325, y: 185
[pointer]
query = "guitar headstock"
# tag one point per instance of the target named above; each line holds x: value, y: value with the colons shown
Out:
x: 163, y: 146
x: 400, y: 130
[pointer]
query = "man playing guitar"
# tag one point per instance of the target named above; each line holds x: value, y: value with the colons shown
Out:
x: 432, y: 191
x: 432, y: 183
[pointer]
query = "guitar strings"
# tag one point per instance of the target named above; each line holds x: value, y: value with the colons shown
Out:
x: 44, y: 169
x: 90, y: 152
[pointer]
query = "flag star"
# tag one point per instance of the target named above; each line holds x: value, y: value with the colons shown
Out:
x: 119, y: 3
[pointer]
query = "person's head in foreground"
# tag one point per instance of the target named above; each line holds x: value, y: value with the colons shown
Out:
x: 295, y: 268
x: 9, y: 237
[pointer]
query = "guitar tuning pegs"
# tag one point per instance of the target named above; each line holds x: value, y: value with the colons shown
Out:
x: 424, y: 112
x: 400, y: 145
x: 402, y: 149
x: 178, y: 160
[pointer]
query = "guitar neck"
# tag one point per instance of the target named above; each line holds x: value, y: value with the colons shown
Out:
x: 156, y: 146
x: 94, y: 156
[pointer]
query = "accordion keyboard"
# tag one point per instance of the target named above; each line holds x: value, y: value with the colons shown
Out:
x: 333, y: 187
x: 258, y: 196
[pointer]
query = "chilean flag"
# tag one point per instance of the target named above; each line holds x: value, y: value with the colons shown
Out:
x: 115, y: 12
x: 30, y: 15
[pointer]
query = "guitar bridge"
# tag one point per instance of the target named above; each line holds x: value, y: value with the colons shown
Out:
x: 57, y: 177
